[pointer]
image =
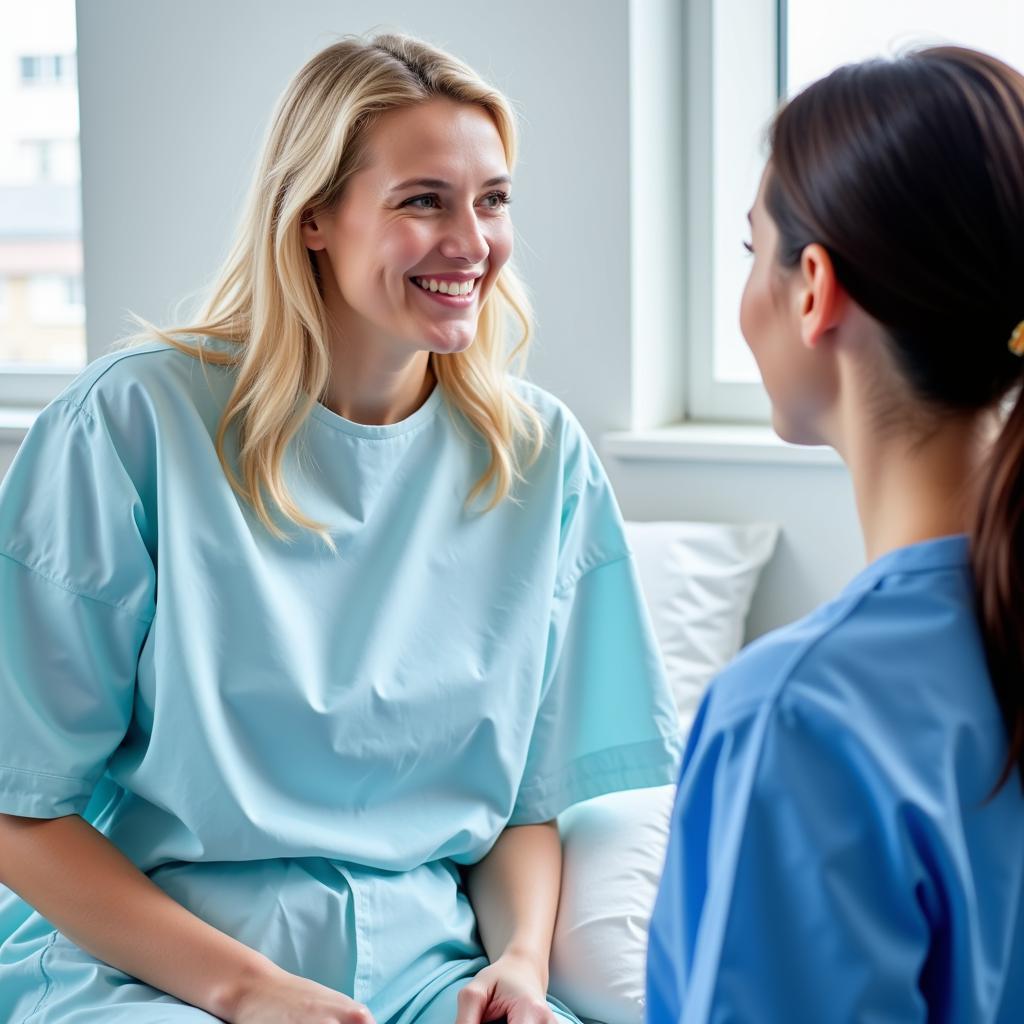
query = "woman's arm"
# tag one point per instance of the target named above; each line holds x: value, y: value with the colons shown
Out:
x: 514, y: 891
x: 80, y: 882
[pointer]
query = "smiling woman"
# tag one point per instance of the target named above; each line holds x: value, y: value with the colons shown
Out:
x: 383, y: 245
x: 319, y: 776
x: 359, y: 134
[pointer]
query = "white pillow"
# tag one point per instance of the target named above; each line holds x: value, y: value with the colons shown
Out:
x: 698, y: 580
x: 613, y: 851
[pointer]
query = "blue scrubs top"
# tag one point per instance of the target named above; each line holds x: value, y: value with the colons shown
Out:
x: 833, y: 854
x: 304, y: 747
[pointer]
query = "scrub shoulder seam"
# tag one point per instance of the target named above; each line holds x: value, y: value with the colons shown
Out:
x: 94, y: 373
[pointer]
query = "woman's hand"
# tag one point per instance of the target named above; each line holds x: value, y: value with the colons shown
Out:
x: 277, y: 997
x: 511, y: 987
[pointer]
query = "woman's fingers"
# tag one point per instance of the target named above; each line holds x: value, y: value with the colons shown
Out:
x: 286, y: 998
x: 473, y: 999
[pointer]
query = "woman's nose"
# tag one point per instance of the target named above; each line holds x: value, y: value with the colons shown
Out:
x: 464, y: 239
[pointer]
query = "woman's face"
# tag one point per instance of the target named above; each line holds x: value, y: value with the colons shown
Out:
x: 425, y: 215
x: 777, y: 318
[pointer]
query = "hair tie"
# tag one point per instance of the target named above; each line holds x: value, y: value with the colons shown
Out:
x: 1016, y: 344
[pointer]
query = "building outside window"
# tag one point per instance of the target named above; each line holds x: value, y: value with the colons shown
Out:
x: 42, y: 310
x: 48, y: 69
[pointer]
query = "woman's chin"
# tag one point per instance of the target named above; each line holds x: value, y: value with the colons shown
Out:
x: 794, y: 433
x: 447, y: 344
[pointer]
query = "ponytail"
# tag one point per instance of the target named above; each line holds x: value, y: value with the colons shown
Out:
x: 997, y: 558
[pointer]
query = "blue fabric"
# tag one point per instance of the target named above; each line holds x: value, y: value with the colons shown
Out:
x: 301, y: 747
x: 832, y: 854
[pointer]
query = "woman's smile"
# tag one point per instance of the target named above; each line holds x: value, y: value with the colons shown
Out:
x: 456, y: 291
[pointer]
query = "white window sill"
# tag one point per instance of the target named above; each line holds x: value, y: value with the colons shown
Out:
x: 684, y: 442
x: 714, y: 442
x: 15, y: 423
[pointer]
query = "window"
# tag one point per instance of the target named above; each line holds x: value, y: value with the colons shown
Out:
x: 822, y: 37
x: 56, y: 299
x: 48, y: 160
x: 42, y: 311
x: 759, y: 52
x: 733, y: 91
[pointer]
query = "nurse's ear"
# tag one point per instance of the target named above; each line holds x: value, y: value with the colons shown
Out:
x: 820, y: 299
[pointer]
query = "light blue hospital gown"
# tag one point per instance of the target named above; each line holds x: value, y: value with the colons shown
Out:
x: 833, y: 854
x: 303, y: 749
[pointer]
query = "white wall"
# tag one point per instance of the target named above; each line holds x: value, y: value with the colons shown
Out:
x: 819, y: 548
x: 174, y: 98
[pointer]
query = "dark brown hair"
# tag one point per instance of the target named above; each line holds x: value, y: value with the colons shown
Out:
x: 910, y: 173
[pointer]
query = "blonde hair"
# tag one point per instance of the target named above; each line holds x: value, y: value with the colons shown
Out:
x: 266, y: 298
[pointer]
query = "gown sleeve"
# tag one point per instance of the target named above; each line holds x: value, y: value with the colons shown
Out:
x: 785, y: 893
x: 606, y: 719
x: 77, y: 593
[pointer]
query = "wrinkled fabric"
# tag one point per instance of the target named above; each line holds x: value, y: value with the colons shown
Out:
x: 833, y: 854
x: 304, y: 747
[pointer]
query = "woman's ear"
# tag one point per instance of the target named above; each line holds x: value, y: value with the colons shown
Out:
x: 821, y: 298
x: 312, y: 234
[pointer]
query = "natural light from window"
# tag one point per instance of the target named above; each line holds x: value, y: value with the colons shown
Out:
x: 819, y: 37
x: 42, y: 309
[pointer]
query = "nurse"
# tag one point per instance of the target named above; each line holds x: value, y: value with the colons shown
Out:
x: 314, y: 616
x: 848, y: 838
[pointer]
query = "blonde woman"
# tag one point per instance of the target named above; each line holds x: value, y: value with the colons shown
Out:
x: 314, y: 617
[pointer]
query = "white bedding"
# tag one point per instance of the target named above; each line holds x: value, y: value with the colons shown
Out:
x: 698, y: 580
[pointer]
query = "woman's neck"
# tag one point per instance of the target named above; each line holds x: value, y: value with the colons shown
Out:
x: 375, y: 379
x: 367, y: 388
x: 914, y: 482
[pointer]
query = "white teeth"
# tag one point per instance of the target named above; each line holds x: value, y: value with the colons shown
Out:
x: 429, y: 284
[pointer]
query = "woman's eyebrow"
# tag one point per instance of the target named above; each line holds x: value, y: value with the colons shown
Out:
x: 502, y: 179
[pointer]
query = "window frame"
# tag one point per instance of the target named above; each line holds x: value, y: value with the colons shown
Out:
x: 31, y: 386
x: 716, y: 122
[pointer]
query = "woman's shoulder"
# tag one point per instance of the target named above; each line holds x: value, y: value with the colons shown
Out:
x: 141, y: 391
x: 896, y: 653
x: 559, y: 420
x: 567, y: 447
x: 120, y: 381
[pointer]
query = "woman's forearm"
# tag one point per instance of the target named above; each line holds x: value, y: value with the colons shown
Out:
x: 80, y: 882
x: 514, y: 891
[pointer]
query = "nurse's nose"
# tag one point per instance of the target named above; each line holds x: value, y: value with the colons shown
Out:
x: 463, y: 238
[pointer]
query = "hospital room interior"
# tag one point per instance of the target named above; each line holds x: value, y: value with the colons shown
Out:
x: 129, y: 137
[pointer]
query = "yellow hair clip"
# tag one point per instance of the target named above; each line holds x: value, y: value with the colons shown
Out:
x: 1017, y: 340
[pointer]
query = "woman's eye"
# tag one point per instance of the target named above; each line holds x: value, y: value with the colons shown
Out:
x: 749, y: 248
x: 501, y: 199
x: 420, y: 199
x: 492, y: 201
